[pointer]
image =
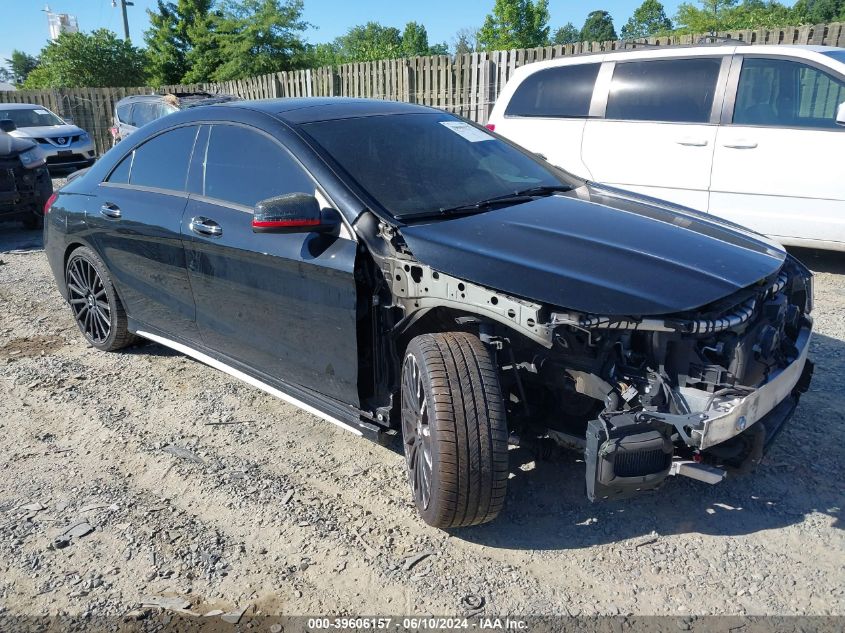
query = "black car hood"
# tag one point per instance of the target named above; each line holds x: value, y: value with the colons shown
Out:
x: 599, y: 251
x: 12, y: 146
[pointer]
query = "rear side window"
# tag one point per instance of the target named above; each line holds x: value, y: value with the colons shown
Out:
x: 162, y: 162
x: 124, y: 112
x: 120, y: 174
x: 672, y: 90
x: 782, y: 93
x: 244, y: 166
x: 555, y: 92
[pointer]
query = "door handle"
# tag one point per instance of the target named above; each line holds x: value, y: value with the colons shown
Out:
x: 693, y: 142
x: 110, y: 210
x: 741, y: 144
x: 205, y: 226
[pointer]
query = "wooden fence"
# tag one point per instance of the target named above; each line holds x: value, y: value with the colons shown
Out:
x: 464, y: 84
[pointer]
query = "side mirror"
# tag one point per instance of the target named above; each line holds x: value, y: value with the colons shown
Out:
x: 7, y: 125
x: 68, y: 120
x: 291, y: 213
x: 840, y: 114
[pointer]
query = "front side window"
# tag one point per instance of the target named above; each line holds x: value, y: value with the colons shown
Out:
x: 556, y: 92
x: 415, y: 164
x: 782, y: 93
x: 162, y: 162
x: 671, y: 90
x: 244, y: 166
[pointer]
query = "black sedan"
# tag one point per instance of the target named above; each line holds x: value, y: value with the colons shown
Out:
x: 394, y: 269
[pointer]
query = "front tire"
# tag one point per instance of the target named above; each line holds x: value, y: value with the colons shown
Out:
x: 454, y: 430
x: 97, y: 309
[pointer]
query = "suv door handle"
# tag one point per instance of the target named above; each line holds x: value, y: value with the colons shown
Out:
x: 205, y: 226
x: 741, y: 144
x: 689, y: 141
x: 110, y: 210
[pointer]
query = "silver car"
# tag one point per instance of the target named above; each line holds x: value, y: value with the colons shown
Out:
x: 65, y: 145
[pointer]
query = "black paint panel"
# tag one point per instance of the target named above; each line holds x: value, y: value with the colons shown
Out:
x: 281, y: 303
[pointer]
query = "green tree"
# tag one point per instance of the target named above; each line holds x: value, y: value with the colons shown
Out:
x: 96, y: 59
x: 170, y: 38
x: 819, y: 11
x: 515, y: 24
x: 598, y: 28
x: 255, y: 37
x: 20, y: 64
x: 713, y: 16
x: 414, y: 40
x: 369, y: 42
x: 441, y: 48
x: 204, y: 56
x: 649, y: 19
x: 567, y: 34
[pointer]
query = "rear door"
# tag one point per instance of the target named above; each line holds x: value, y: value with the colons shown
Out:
x: 659, y: 128
x: 281, y: 304
x: 136, y: 227
x: 547, y: 113
x: 779, y: 158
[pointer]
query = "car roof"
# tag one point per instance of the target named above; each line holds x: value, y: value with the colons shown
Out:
x: 310, y: 109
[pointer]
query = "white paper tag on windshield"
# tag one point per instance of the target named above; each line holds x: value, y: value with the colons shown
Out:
x: 472, y: 134
x: 41, y: 112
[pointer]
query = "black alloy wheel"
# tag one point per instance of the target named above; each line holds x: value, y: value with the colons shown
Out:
x: 416, y: 432
x: 454, y: 428
x: 95, y: 305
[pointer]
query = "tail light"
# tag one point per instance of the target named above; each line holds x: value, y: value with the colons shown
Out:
x: 491, y: 127
x: 113, y: 131
x: 50, y: 202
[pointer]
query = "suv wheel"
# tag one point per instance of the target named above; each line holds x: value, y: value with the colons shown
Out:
x: 94, y: 302
x: 454, y: 430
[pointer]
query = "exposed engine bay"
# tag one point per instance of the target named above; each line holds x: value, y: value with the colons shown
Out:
x: 698, y: 394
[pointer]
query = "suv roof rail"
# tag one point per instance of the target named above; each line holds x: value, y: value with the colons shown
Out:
x: 721, y: 39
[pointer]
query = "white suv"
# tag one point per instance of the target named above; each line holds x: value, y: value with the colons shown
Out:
x: 755, y: 134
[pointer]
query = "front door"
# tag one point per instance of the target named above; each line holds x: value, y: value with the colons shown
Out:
x: 778, y: 167
x: 282, y: 304
x: 136, y: 225
x: 659, y: 128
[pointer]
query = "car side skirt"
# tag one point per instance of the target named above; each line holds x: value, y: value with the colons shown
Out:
x: 316, y: 406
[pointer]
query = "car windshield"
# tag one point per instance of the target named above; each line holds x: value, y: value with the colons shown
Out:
x: 426, y: 164
x: 31, y: 117
x: 837, y: 55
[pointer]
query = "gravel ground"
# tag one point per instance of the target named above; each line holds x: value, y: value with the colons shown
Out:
x: 144, y: 473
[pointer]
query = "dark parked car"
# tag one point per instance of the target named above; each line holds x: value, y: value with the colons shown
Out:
x: 25, y: 184
x: 394, y: 269
x: 135, y: 111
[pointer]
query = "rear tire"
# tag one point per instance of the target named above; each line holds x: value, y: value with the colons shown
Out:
x: 454, y: 430
x: 97, y: 309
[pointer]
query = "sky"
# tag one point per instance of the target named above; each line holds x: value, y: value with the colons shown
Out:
x: 24, y: 24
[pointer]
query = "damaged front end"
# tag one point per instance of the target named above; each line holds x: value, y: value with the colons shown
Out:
x: 696, y: 394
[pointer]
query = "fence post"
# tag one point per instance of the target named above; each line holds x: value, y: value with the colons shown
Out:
x: 488, y: 89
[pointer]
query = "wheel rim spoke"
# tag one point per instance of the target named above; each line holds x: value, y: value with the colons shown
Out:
x: 88, y: 300
x: 416, y: 432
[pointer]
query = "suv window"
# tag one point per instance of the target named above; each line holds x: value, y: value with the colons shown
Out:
x: 672, y: 90
x: 162, y: 162
x: 144, y: 112
x: 555, y: 92
x: 124, y: 112
x: 244, y: 166
x: 778, y: 92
